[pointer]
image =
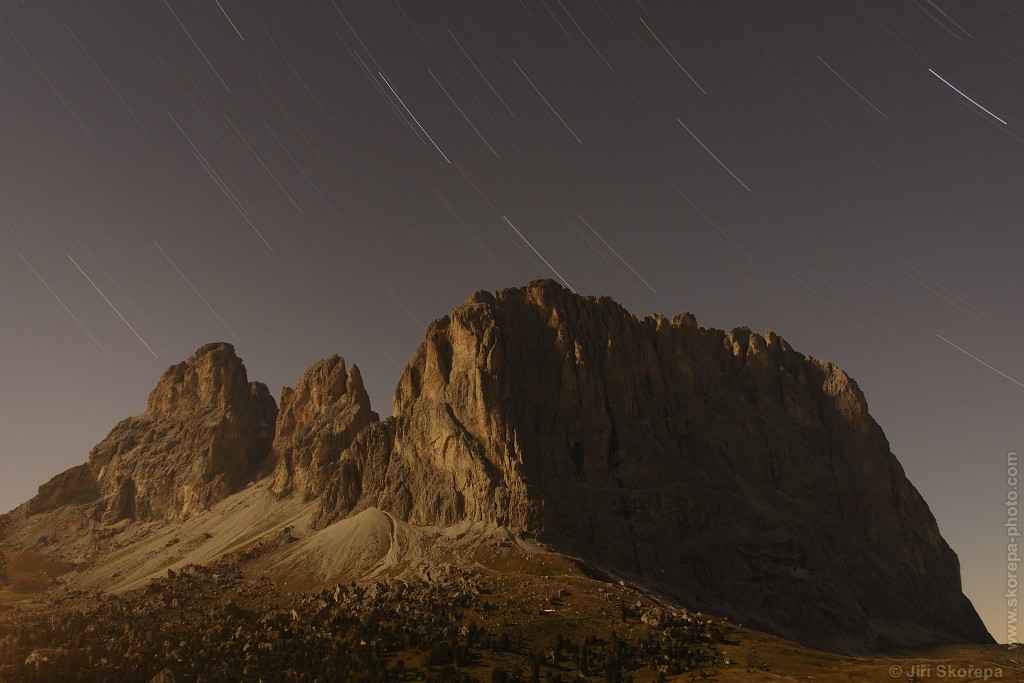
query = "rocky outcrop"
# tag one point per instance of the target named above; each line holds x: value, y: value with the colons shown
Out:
x: 76, y: 485
x: 205, y: 431
x: 318, y: 420
x: 204, y: 434
x: 724, y: 468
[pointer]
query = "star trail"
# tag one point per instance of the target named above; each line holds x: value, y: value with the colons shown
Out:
x: 325, y: 177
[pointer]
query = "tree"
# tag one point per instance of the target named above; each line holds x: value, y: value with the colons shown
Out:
x: 535, y: 669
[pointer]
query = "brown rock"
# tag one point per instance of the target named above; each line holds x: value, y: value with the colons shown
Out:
x: 653, y: 617
x: 725, y: 469
x: 318, y: 420
x: 76, y: 485
x: 205, y: 432
x: 165, y: 676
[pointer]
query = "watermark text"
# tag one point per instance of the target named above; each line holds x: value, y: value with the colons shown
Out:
x: 1012, y: 551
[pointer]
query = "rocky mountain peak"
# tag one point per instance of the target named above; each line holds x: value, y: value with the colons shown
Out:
x: 323, y: 384
x: 698, y: 462
x: 318, y: 420
x: 205, y: 433
x: 213, y: 378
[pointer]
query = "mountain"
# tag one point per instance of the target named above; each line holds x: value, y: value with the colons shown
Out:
x: 205, y: 432
x: 722, y: 468
x: 723, y: 471
x: 318, y: 420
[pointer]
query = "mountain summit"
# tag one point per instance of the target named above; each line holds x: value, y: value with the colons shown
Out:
x: 722, y: 470
x: 205, y: 432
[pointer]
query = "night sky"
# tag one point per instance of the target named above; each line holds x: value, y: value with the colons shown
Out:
x: 328, y: 180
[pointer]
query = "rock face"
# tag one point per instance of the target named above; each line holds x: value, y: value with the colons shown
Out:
x: 721, y: 467
x: 318, y: 420
x: 205, y: 432
x: 76, y: 485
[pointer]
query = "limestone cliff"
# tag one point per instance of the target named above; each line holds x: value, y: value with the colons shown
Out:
x: 205, y: 431
x: 722, y: 467
x: 318, y: 420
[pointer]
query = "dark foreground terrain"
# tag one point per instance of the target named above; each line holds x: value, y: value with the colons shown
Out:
x: 513, y: 617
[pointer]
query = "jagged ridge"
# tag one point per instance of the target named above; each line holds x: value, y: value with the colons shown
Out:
x: 724, y: 469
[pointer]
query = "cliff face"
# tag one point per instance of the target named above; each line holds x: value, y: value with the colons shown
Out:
x: 204, y: 434
x: 722, y: 467
x: 318, y: 420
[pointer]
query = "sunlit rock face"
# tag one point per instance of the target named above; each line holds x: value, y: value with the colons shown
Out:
x: 722, y: 467
x: 318, y: 420
x: 204, y: 435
